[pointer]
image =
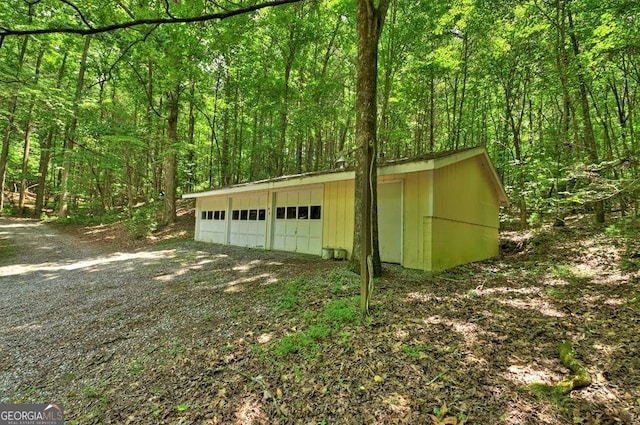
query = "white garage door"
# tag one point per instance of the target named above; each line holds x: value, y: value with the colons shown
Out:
x: 298, y: 221
x: 248, y: 225
x: 213, y: 221
x: 390, y: 221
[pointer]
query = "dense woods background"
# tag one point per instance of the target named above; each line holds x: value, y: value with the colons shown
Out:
x: 105, y: 122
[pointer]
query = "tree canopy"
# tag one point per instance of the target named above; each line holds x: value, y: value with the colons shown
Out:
x: 549, y: 87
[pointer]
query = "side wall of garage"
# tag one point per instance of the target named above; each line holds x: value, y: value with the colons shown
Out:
x: 464, y: 225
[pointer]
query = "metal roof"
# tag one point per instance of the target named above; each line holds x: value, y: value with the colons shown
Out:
x: 431, y: 161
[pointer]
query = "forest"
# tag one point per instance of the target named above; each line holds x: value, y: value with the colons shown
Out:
x: 98, y: 122
x: 110, y: 110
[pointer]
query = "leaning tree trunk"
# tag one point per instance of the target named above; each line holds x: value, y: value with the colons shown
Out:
x: 365, y: 251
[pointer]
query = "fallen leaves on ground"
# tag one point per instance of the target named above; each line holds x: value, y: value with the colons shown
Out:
x: 455, y: 348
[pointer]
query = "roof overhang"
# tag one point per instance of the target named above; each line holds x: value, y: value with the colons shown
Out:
x: 394, y: 167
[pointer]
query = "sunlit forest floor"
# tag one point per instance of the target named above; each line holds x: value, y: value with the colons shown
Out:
x: 185, y: 332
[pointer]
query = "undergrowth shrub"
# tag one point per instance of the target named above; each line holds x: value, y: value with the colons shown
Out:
x: 142, y: 222
x: 86, y: 218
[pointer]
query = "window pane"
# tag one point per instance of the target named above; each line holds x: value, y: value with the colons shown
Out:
x: 253, y: 215
x: 291, y: 212
x: 235, y: 215
x: 203, y: 215
x: 209, y: 215
x: 244, y: 214
x: 280, y: 212
x: 222, y: 214
x: 316, y: 212
x: 262, y: 215
x: 216, y: 215
x: 303, y: 213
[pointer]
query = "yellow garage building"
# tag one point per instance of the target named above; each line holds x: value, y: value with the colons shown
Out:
x: 434, y: 212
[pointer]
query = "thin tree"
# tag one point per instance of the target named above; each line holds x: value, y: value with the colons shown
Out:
x: 63, y: 207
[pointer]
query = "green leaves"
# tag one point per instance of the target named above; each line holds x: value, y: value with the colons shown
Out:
x: 452, y: 75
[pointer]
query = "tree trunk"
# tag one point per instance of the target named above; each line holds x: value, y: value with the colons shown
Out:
x: 13, y: 103
x: 71, y: 134
x: 284, y: 113
x: 463, y: 91
x: 365, y: 253
x: 45, y: 151
x: 226, y: 171
x: 170, y: 158
x: 27, y: 139
x: 589, y: 136
x: 191, y: 154
x: 389, y: 61
x: 432, y: 112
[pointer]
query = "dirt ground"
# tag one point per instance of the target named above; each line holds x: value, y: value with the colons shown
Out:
x: 168, y: 331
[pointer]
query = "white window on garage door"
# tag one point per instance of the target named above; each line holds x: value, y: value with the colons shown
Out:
x: 213, y: 222
x: 248, y: 225
x: 298, y: 221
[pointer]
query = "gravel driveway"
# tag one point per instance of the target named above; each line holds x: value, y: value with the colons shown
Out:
x: 76, y: 319
x: 62, y: 306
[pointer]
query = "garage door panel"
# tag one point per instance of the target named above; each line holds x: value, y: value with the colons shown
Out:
x: 290, y: 243
x: 315, y: 245
x: 212, y: 220
x: 303, y: 227
x: 245, y: 227
x: 291, y: 228
x: 315, y: 229
x: 294, y: 228
x: 302, y: 244
x: 304, y: 198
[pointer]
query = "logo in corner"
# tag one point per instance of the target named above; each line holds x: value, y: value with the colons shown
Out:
x: 32, y: 414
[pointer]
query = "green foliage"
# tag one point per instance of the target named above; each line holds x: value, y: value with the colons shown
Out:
x: 471, y: 76
x: 329, y: 322
x: 414, y: 352
x: 86, y: 218
x: 551, y: 393
x: 555, y: 292
x: 614, y: 229
x: 339, y: 313
x: 298, y: 342
x: 541, y: 239
x: 8, y: 248
x: 183, y: 406
x: 143, y: 222
x: 563, y: 271
x: 630, y: 264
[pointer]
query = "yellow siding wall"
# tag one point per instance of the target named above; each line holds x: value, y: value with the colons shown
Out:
x: 453, y: 243
x: 462, y: 193
x: 464, y: 226
x: 338, y: 215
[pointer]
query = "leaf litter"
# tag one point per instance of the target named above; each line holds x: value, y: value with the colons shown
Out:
x: 199, y: 333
